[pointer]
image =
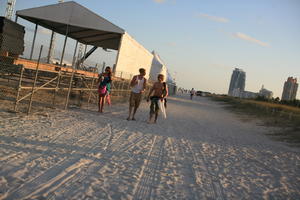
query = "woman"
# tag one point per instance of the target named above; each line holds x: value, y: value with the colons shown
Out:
x: 104, y: 86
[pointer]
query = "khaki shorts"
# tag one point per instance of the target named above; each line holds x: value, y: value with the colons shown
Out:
x: 135, y: 99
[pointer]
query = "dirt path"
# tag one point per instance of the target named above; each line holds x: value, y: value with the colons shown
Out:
x: 200, y: 152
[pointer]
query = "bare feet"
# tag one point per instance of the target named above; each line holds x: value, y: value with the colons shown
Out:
x: 128, y: 118
x: 150, y: 121
x: 133, y: 119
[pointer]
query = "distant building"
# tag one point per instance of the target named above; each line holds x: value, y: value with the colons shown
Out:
x: 244, y: 94
x: 265, y: 93
x: 249, y: 95
x: 290, y: 89
x: 237, y: 82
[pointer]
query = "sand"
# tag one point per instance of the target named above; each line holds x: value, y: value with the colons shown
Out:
x: 201, y: 151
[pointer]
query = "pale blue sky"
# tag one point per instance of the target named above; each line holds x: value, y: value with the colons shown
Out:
x: 202, y: 41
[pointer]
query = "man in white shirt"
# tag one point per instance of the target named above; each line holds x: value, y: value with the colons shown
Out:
x: 138, y: 84
x: 192, y: 93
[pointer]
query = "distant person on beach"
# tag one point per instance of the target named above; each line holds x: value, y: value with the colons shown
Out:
x: 138, y: 84
x: 104, y: 82
x: 160, y: 92
x: 192, y: 93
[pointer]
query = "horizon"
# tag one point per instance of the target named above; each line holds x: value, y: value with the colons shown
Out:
x: 202, y: 42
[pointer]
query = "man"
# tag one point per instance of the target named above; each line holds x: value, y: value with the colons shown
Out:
x: 192, y: 93
x: 138, y: 84
x: 160, y: 92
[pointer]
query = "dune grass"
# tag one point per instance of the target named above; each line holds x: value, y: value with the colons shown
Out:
x: 286, y: 118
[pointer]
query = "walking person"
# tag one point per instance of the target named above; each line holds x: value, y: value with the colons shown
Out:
x: 160, y: 92
x: 138, y: 84
x: 104, y: 83
x: 192, y: 93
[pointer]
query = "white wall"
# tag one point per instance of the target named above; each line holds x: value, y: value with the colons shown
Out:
x: 132, y: 56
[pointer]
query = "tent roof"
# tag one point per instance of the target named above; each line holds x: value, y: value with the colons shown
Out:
x: 80, y: 23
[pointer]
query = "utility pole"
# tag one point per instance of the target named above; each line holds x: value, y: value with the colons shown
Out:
x: 10, y: 7
x: 52, y: 42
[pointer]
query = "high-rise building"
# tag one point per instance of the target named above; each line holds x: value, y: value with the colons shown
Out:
x: 265, y: 93
x: 290, y: 89
x: 238, y: 79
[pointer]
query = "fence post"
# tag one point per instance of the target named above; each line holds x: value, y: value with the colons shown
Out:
x: 128, y: 87
x: 92, y: 85
x: 56, y: 88
x: 35, y: 79
x: 19, y: 88
x: 122, y: 89
x: 69, y: 90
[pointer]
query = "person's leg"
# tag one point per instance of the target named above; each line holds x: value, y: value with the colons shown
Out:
x: 99, y: 102
x: 136, y: 105
x: 152, y: 111
x: 108, y: 100
x: 102, y: 103
x: 130, y: 110
x: 131, y: 103
x: 156, y: 110
x: 134, y: 111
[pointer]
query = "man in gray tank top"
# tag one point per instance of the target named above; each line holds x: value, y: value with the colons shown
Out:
x: 138, y: 86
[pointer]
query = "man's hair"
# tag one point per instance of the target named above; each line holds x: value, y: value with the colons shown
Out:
x: 161, y: 75
x: 141, y: 70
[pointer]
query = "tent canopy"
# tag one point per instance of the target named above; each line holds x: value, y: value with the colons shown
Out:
x: 77, y: 22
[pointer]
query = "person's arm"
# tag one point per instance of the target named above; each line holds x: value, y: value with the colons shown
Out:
x: 133, y: 82
x: 144, y: 85
x: 150, y: 92
x: 167, y: 92
x: 99, y: 79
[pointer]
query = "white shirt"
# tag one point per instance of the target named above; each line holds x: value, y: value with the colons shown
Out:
x: 139, y: 86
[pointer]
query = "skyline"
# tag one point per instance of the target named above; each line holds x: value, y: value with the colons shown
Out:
x: 201, y: 42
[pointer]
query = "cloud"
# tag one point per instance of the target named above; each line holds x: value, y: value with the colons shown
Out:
x: 159, y: 1
x: 250, y: 39
x: 213, y: 18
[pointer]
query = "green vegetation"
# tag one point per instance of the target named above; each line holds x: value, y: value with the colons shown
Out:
x: 284, y: 117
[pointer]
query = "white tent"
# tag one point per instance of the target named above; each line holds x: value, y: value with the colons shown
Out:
x: 157, y: 67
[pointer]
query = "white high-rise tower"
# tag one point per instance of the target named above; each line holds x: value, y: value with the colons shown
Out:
x: 9, y: 12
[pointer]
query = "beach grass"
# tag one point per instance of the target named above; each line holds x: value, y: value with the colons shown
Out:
x: 283, y: 117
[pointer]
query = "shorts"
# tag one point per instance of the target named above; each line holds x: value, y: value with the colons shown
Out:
x: 135, y: 99
x: 154, y: 108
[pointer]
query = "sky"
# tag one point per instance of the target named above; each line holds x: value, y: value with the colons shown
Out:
x: 202, y: 41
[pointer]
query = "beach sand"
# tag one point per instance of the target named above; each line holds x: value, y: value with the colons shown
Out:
x: 201, y: 151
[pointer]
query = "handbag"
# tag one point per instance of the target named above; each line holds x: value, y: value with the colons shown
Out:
x: 102, y: 90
